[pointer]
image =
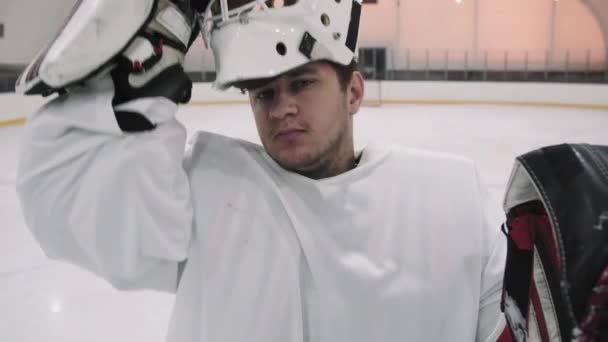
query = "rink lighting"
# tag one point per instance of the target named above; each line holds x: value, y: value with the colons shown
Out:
x: 56, y: 306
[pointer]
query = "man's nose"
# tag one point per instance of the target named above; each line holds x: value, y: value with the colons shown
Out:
x: 284, y: 104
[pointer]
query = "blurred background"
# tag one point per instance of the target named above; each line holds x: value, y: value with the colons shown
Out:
x: 486, y: 79
x: 471, y: 40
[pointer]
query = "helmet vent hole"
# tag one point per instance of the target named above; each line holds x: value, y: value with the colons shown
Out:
x: 325, y: 19
x: 281, y: 49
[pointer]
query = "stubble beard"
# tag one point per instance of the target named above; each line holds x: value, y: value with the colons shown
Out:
x: 323, y: 161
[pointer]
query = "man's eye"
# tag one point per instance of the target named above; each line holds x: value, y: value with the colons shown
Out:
x: 302, y: 83
x: 264, y: 95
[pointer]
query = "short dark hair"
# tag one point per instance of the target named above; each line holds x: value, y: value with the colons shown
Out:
x: 344, y: 73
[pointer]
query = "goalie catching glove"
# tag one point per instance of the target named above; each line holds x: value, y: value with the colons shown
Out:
x: 556, y: 276
x: 142, y: 43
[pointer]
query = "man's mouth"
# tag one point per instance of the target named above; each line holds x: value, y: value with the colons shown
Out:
x: 288, y: 134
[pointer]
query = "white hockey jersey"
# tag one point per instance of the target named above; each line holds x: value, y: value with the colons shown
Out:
x: 405, y: 247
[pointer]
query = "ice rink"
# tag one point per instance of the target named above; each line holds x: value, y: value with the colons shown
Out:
x: 44, y: 300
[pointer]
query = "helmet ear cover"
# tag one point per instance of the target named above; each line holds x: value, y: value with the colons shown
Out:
x: 353, y: 27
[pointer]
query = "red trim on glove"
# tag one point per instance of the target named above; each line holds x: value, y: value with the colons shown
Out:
x: 505, y: 336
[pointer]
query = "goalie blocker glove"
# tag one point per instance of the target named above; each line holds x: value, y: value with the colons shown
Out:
x: 142, y: 44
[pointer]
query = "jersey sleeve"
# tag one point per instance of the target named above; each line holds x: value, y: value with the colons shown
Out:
x: 491, y: 321
x: 116, y: 204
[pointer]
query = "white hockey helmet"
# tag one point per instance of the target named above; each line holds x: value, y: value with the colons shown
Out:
x: 256, y: 39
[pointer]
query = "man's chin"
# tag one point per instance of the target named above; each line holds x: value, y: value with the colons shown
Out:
x: 294, y: 166
x: 294, y: 161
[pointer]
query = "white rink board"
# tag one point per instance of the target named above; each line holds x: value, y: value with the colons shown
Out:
x: 14, y: 106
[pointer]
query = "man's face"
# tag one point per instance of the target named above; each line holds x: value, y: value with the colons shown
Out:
x: 304, y: 118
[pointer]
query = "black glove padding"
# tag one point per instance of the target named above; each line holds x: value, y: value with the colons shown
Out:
x: 171, y: 83
x: 152, y: 64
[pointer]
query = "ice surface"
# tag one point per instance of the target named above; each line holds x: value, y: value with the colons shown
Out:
x: 43, y: 300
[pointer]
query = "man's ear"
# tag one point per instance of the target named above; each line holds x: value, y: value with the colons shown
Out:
x: 355, y: 92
